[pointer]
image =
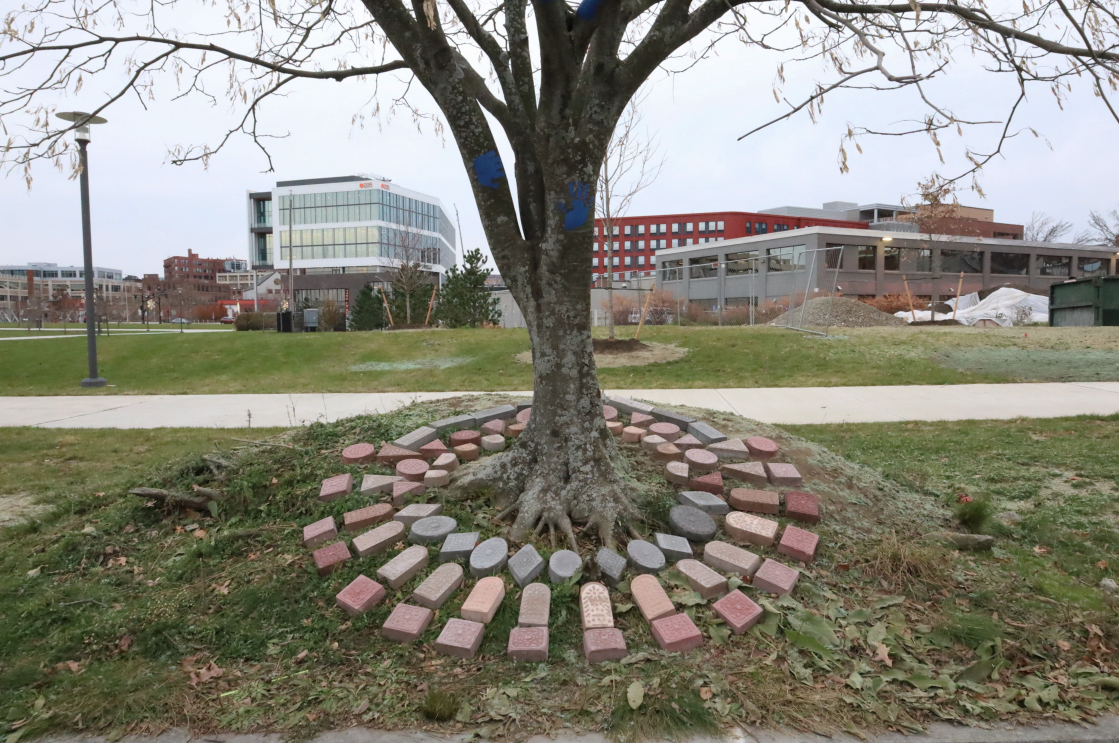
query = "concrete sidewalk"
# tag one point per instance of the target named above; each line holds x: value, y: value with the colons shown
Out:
x: 781, y: 405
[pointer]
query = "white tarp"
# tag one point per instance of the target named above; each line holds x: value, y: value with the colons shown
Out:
x: 1004, y: 306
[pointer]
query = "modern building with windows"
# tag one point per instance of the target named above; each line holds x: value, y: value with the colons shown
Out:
x: 950, y: 219
x: 342, y: 233
x: 40, y: 284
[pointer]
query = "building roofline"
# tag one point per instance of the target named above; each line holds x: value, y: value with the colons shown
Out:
x: 322, y: 181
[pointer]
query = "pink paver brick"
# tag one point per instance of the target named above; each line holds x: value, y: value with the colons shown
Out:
x: 468, y: 452
x: 651, y: 598
x: 515, y: 430
x: 494, y: 427
x: 362, y: 594
x: 378, y: 540
x: 798, y: 544
x: 752, y: 473
x: 536, y: 606
x: 412, y: 469
x: 773, y: 577
x: 528, y: 644
x: 601, y: 645
x: 802, y: 506
x: 609, y: 412
x: 687, y: 441
x: 439, y: 586
x: 730, y: 559
x: 701, y: 460
x: 650, y: 442
x: 373, y: 484
x: 615, y: 427
x: 437, y: 478
x: 433, y: 449
x: 413, y: 513
x: 460, y: 638
x: 359, y: 454
x: 632, y: 434
x: 458, y: 438
x: 336, y: 487
x: 484, y: 600
x: 641, y: 420
x: 677, y: 473
x: 493, y: 442
x: 712, y: 482
x: 594, y: 606
x: 667, y: 453
x: 738, y: 611
x: 406, y: 622
x: 677, y: 633
x: 328, y: 558
x: 783, y: 474
x: 391, y: 454
x: 321, y: 531
x: 746, y: 527
x: 761, y: 448
x: 406, y: 491
x: 447, y: 462
x: 702, y: 579
x: 365, y: 517
x: 734, y: 449
x: 523, y: 416
x: 402, y: 568
x: 757, y: 501
x: 667, y: 431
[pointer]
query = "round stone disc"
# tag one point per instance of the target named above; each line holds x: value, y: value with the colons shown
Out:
x: 563, y: 564
x: 692, y: 523
x: 489, y: 557
x: 646, y: 557
x: 458, y: 438
x: 702, y: 460
x: 431, y: 529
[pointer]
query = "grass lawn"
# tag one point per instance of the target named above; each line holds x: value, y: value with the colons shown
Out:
x: 448, y: 360
x: 118, y: 616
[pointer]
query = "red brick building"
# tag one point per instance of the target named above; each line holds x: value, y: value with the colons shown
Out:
x: 190, y: 281
x: 636, y: 239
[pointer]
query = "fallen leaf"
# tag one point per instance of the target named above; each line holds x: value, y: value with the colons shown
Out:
x: 882, y: 653
x: 199, y: 533
x: 99, y: 495
x: 705, y: 692
x: 129, y: 529
x: 222, y: 588
x: 301, y: 656
x: 34, y: 572
x: 1041, y: 550
x: 635, y: 694
x: 211, y: 671
x: 275, y: 481
x: 1102, y: 564
x: 125, y: 643
x: 362, y: 707
x: 1064, y: 645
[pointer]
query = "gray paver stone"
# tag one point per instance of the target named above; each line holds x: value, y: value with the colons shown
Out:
x: 625, y: 405
x: 706, y: 502
x: 692, y: 523
x: 645, y: 557
x: 611, y: 564
x: 674, y: 548
x: 457, y: 423
x: 526, y: 565
x: 489, y: 557
x: 458, y: 546
x: 522, y: 404
x: 417, y: 438
x: 432, y: 529
x: 667, y: 416
x: 705, y: 433
x: 563, y: 564
x: 491, y: 414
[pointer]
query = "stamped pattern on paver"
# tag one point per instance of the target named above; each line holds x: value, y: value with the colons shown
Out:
x: 594, y: 605
x: 536, y: 606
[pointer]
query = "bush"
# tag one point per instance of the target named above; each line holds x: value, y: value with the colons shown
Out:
x: 249, y: 321
x: 332, y: 316
x: 973, y: 515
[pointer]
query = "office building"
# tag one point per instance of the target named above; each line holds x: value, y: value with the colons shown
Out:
x: 62, y: 289
x: 949, y: 219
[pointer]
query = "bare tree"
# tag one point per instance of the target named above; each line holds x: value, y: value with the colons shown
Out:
x: 1103, y: 229
x: 556, y: 100
x: 629, y: 167
x: 1046, y: 229
x: 413, y: 256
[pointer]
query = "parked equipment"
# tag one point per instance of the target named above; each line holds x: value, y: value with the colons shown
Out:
x: 1084, y: 302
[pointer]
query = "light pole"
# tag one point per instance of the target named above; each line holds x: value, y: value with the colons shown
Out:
x: 81, y: 135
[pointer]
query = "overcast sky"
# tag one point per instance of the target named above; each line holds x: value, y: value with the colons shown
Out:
x: 145, y: 209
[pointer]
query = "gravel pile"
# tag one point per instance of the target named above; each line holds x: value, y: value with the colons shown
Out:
x: 844, y: 313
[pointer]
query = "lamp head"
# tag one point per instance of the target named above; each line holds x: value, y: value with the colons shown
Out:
x: 83, y: 121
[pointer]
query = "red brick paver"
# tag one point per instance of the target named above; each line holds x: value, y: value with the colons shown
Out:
x: 798, y: 544
x: 746, y: 527
x: 687, y: 441
x: 412, y: 470
x: 609, y: 412
x: 783, y: 474
x: 391, y: 454
x: 730, y: 449
x: 371, y: 484
x: 433, y: 449
x: 495, y: 427
x: 536, y: 606
x: 359, y: 454
x: 802, y: 506
x: 758, y: 501
x: 601, y: 645
x: 336, y: 487
x: 701, y: 460
x: 528, y: 644
x: 667, y: 453
x: 330, y: 557
x: 378, y: 540
x: 615, y: 427
x: 402, y: 568
x: 632, y: 434
x: 667, y: 431
x: 677, y: 633
x: 641, y: 420
x: 712, y: 482
x: 651, y: 598
x: 738, y: 611
x: 677, y: 473
x: 460, y: 638
x: 447, y: 462
x: 515, y: 430
x: 727, y: 558
x: 458, y: 438
x: 361, y: 595
x: 702, y: 579
x: 484, y: 600
x: 321, y: 531
x: 761, y: 448
x: 406, y: 491
x: 594, y: 606
x: 468, y: 452
x: 773, y: 577
x: 752, y: 473
x: 406, y: 622
x: 523, y: 416
x: 366, y: 517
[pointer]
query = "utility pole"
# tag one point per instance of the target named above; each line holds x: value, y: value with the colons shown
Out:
x: 291, y: 253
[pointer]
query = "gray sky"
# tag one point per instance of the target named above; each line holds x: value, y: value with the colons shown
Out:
x: 145, y: 209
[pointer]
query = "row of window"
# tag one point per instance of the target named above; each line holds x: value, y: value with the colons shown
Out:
x: 628, y: 261
x: 631, y: 245
x: 47, y: 273
x: 662, y: 229
x: 365, y: 205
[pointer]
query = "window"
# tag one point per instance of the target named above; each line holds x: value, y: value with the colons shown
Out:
x: 675, y: 228
x: 891, y: 258
x: 69, y: 274
x: 629, y: 230
x: 594, y: 262
x: 615, y: 244
x: 596, y: 230
x: 1017, y: 264
x: 675, y: 242
x: 1092, y: 266
x: 672, y: 270
x: 640, y: 244
x: 864, y: 257
x: 967, y: 261
x: 780, y: 228
x: 629, y: 261
x: 616, y: 260
x: 720, y: 225
x: 742, y: 263
x: 641, y: 260
x: 747, y: 228
x: 785, y: 259
x: 614, y: 229
x: 687, y: 241
x: 760, y: 228
x: 640, y: 229
x: 629, y: 245
x: 706, y: 267
x: 1054, y: 265
x: 688, y: 228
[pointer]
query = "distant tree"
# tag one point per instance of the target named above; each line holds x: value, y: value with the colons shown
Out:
x: 1046, y: 229
x: 411, y: 276
x: 1103, y: 229
x: 331, y: 315
x: 369, y: 310
x: 464, y: 299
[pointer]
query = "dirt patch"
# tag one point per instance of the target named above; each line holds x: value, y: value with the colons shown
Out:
x: 838, y: 312
x: 433, y: 363
x: 652, y: 353
x: 936, y: 322
x: 1035, y: 365
x: 619, y: 345
x: 15, y: 507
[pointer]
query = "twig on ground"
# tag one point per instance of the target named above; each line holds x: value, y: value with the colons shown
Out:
x: 265, y: 443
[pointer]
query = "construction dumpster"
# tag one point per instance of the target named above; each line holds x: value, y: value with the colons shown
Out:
x: 1084, y: 302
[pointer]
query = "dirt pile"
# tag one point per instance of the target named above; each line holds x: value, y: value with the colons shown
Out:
x: 838, y: 312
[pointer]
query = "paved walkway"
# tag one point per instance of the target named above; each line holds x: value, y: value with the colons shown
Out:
x: 51, y: 333
x: 782, y: 405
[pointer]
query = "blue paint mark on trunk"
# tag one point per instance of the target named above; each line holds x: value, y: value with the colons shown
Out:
x: 489, y: 169
x: 576, y: 216
x: 588, y: 9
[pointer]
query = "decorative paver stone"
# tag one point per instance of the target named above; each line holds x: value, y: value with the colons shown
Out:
x: 611, y: 565
x: 746, y: 527
x: 412, y: 469
x: 489, y: 557
x: 536, y: 606
x: 667, y: 453
x: 702, y: 579
x: 761, y: 448
x: 493, y: 428
x: 642, y: 420
x: 650, y: 442
x: 468, y: 452
x: 458, y: 546
x: 645, y: 557
x: 528, y: 644
x: 330, y: 557
x: 515, y: 430
x: 730, y: 559
x: 625, y: 405
x: 362, y: 594
x: 391, y: 454
x: 667, y: 416
x: 732, y: 449
x: 501, y: 412
x: 523, y: 404
x: 609, y: 412
x: 433, y: 449
x: 707, y: 502
x: 321, y: 531
x: 437, y: 479
x: 773, y: 577
x: 524, y: 415
x: 458, y: 438
x: 798, y: 544
x: 712, y: 482
x: 413, y: 513
x: 667, y: 431
x: 677, y: 633
x: 359, y: 454
x: 406, y: 491
x: 439, y: 586
x: 378, y: 540
x: 406, y: 622
x: 674, y: 548
x: 615, y: 427
x: 484, y: 600
x: 563, y: 564
x: 783, y: 474
x: 363, y: 518
x: 493, y: 443
x: 802, y: 506
x: 601, y: 645
x: 336, y: 487
x: 705, y: 433
x: 688, y: 442
x: 415, y: 439
x: 752, y: 473
x: 676, y: 473
x: 526, y: 565
x: 594, y: 606
x: 758, y: 501
x: 738, y: 611
x: 447, y: 462
x: 701, y: 460
x: 632, y: 434
x: 691, y: 523
x: 404, y: 567
x: 432, y: 529
x: 371, y: 484
x: 650, y: 598
x: 453, y: 424
x: 460, y: 638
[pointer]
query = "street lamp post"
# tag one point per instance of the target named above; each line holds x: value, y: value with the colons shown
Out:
x: 81, y: 135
